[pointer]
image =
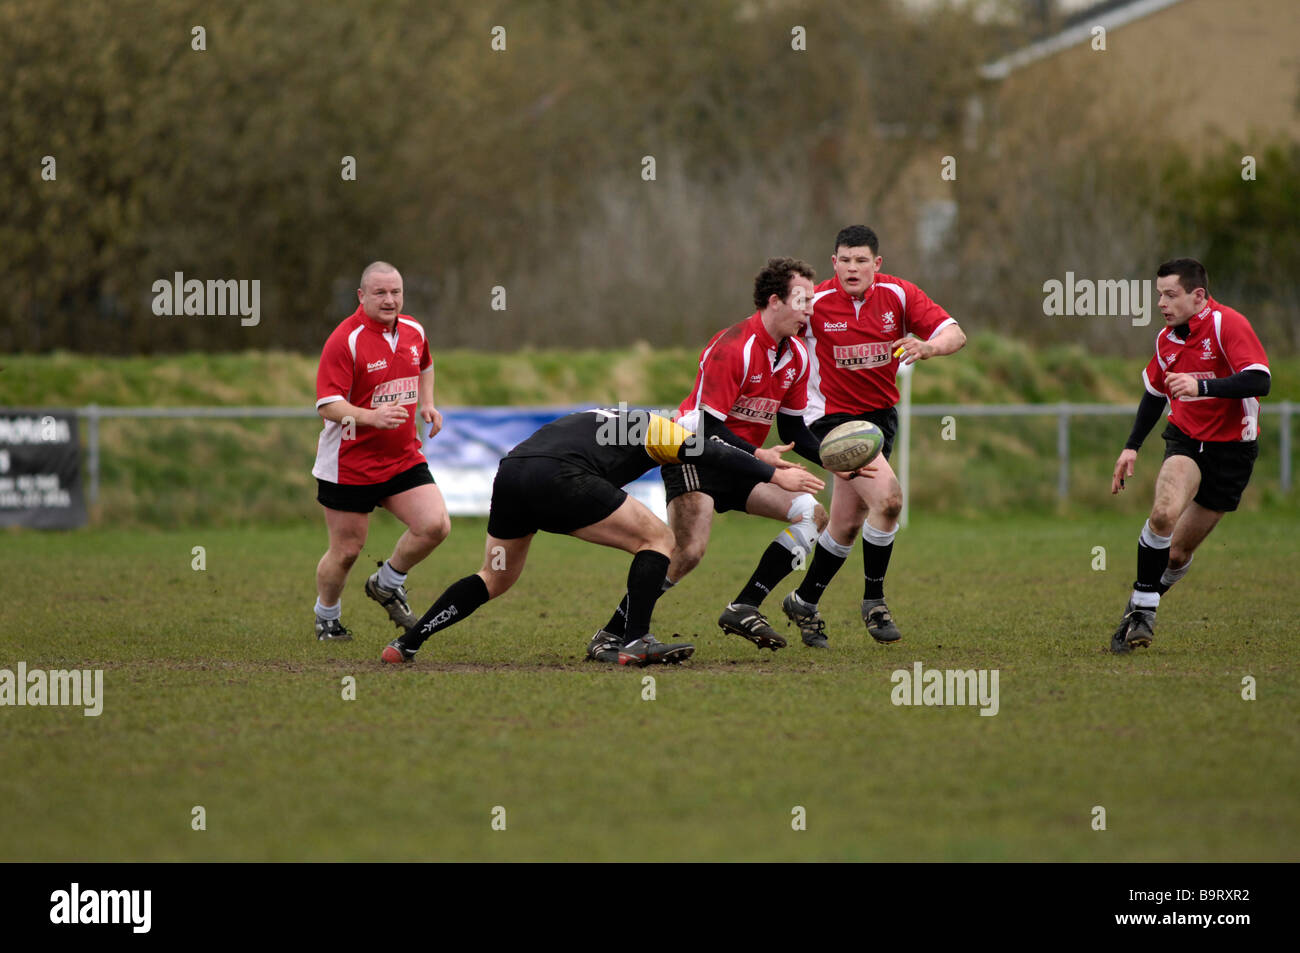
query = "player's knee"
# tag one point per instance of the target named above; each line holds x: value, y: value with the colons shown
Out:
x: 346, y: 551
x: 687, y: 555
x: 1162, y: 520
x: 893, y: 506
x: 438, y: 528
x: 821, y: 519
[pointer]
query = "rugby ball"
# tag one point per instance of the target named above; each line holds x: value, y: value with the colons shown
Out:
x: 851, y: 445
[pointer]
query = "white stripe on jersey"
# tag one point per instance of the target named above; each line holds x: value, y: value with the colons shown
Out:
x: 327, y: 452
x: 943, y: 325
x: 414, y: 324
x: 744, y: 376
x: 352, y: 341
x: 1147, y: 384
x: 1257, y: 367
x: 898, y: 292
x: 816, y: 408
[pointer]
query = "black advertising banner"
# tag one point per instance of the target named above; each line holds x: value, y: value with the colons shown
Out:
x: 40, y: 469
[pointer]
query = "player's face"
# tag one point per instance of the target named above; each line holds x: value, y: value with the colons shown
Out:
x: 793, y: 314
x: 1176, y: 305
x: 381, y: 296
x: 856, y: 268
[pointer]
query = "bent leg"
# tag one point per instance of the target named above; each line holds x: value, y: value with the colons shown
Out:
x: 503, y: 562
x: 1176, y: 484
x: 634, y: 529
x: 424, y: 512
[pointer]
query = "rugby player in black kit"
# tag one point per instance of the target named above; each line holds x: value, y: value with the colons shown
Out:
x: 567, y: 478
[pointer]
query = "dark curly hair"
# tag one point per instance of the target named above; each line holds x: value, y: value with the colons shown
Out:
x: 775, y: 277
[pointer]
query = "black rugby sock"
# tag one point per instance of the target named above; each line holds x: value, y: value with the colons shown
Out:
x: 777, y: 563
x: 645, y: 583
x: 461, y: 598
x: 875, y: 563
x: 617, y: 623
x: 825, y: 564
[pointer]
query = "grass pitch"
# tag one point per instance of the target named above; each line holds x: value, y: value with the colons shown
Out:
x: 216, y: 695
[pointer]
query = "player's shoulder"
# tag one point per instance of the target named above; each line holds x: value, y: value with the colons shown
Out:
x: 1228, y: 315
x: 409, y: 323
x: 730, y: 338
x: 343, y: 331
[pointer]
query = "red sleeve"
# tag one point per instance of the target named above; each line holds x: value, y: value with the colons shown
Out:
x: 722, y: 376
x: 334, y: 373
x: 426, y: 359
x: 1240, y: 345
x: 922, y: 315
x: 796, y: 398
x: 1153, y: 376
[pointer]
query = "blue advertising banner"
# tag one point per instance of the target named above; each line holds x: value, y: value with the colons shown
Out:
x: 464, y: 455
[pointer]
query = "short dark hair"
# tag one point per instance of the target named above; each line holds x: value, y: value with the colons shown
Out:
x: 855, y: 236
x: 1191, y: 273
x: 775, y: 278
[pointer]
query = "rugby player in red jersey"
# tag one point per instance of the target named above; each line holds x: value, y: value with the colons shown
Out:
x: 1210, y: 370
x: 864, y: 324
x: 750, y: 375
x: 374, y: 371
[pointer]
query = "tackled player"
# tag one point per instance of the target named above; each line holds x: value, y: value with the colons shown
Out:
x: 567, y: 478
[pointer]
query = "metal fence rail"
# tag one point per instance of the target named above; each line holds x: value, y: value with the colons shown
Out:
x: 1063, y: 412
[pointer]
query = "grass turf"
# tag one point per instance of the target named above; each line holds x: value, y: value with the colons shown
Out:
x: 217, y: 696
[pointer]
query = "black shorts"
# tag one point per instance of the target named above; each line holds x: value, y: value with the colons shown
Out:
x: 1225, y: 467
x: 541, y: 493
x: 886, y: 420
x: 729, y: 490
x: 364, y: 497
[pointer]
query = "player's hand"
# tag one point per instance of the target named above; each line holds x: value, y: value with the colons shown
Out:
x: 772, y: 456
x: 797, y: 480
x: 1123, y: 470
x: 389, y: 417
x: 914, y: 349
x: 868, y: 472
x: 1181, y: 385
x: 433, y: 418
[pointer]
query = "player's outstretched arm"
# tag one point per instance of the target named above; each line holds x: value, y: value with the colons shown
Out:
x: 1148, y: 415
x: 669, y: 442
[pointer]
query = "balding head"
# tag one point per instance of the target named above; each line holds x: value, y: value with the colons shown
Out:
x: 380, y: 293
x: 381, y: 267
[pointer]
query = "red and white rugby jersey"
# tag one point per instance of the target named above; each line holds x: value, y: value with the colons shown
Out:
x: 368, y: 366
x: 853, y: 365
x: 1220, y: 342
x: 744, y: 382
